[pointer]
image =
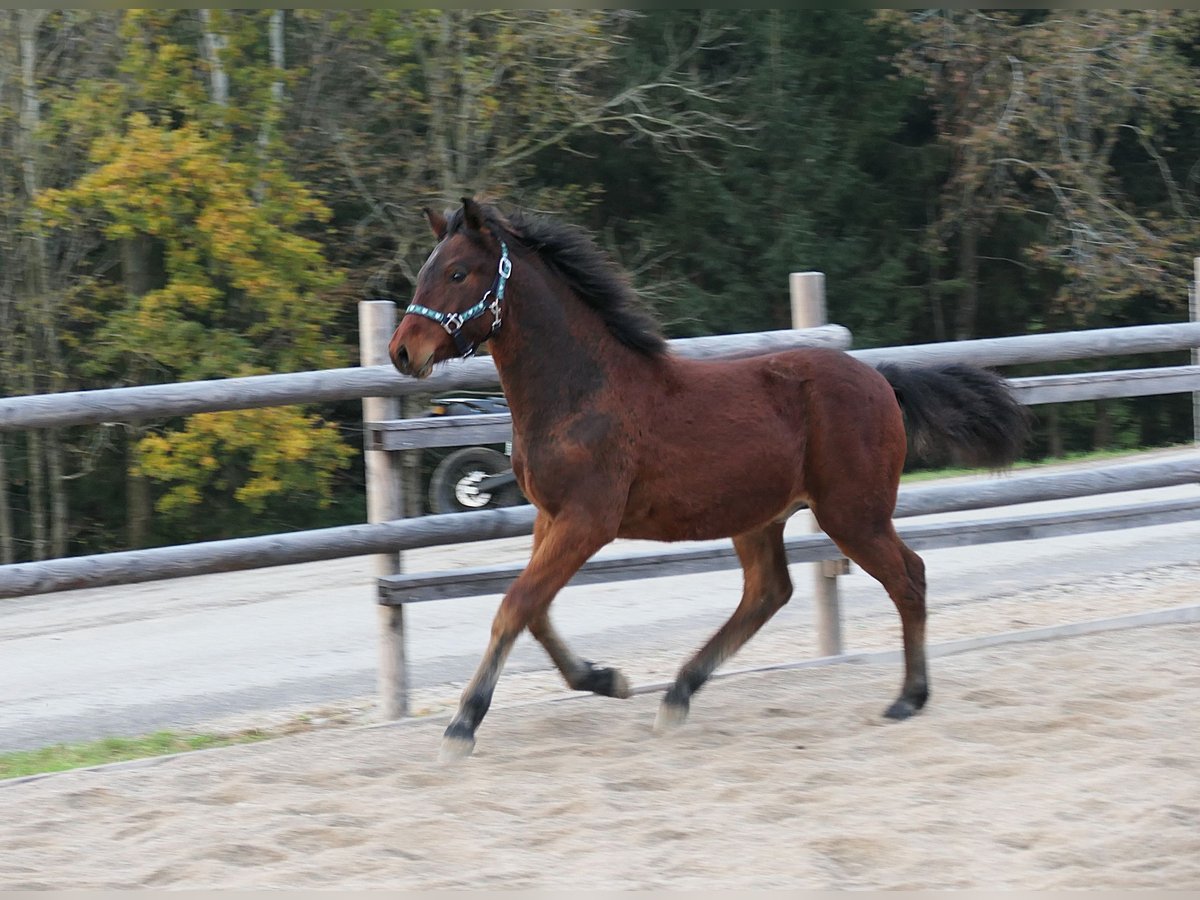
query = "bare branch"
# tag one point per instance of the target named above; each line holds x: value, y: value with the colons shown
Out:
x: 1163, y: 169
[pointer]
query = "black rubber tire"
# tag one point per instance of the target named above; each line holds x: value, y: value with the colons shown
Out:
x: 450, y: 482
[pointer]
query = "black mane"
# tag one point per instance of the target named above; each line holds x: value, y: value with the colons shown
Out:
x: 572, y: 253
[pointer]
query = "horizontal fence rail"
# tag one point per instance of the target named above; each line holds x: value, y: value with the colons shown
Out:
x: 240, y: 554
x: 918, y: 500
x: 439, y: 431
x: 309, y: 546
x: 1105, y: 385
x: 399, y: 589
x: 162, y: 400
x: 492, y: 428
x: 133, y: 404
x: 1051, y: 347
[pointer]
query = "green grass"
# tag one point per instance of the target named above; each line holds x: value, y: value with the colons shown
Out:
x: 61, y: 757
x: 1047, y: 462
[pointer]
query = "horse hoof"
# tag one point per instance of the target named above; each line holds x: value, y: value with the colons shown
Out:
x: 621, y: 688
x: 456, y: 748
x: 606, y: 682
x: 618, y: 685
x: 670, y: 717
x: 900, y: 710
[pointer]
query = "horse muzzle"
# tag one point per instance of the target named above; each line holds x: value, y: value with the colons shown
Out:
x: 410, y: 357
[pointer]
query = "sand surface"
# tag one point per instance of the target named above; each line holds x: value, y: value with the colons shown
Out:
x: 1070, y: 763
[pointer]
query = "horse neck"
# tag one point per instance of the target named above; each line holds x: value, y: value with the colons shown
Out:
x: 554, y: 352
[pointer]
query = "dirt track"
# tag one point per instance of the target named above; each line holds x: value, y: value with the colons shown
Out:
x: 1063, y: 764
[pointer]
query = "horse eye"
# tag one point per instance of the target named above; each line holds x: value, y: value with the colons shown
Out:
x: 458, y: 275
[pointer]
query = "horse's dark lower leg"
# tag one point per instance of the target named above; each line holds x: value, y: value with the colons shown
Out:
x: 580, y: 674
x: 884, y: 557
x: 459, y: 739
x: 767, y: 588
x: 915, y: 692
x: 561, y: 549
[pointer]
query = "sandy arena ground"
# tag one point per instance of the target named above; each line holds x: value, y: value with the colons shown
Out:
x: 1068, y: 763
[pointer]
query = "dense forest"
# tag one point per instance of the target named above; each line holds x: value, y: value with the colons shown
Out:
x: 192, y: 194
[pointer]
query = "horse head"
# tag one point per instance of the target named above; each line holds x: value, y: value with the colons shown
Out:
x: 457, y: 304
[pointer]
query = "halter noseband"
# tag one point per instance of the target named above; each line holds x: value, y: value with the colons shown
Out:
x: 454, y: 322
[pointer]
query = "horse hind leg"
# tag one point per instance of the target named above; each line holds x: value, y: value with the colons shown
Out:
x: 886, y: 558
x: 915, y: 692
x: 767, y: 587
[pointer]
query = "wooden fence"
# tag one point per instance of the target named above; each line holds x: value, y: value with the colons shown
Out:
x: 398, y: 589
x: 390, y: 535
x: 709, y: 556
x: 124, y: 404
x: 136, y: 403
x: 162, y: 400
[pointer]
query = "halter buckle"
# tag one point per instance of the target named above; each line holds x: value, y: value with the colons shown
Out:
x: 494, y: 309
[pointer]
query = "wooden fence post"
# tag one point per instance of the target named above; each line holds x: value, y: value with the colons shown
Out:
x: 1194, y: 316
x: 385, y: 501
x: 807, y: 291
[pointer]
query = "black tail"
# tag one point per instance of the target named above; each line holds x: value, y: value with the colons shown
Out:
x: 960, y: 414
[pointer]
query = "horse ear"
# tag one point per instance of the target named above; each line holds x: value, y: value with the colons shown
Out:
x: 436, y: 221
x: 472, y: 214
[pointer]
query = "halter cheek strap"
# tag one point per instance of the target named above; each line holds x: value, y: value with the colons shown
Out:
x: 454, y: 322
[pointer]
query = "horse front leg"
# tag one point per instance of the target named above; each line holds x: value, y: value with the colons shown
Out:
x: 563, y: 544
x: 579, y: 673
x: 767, y: 587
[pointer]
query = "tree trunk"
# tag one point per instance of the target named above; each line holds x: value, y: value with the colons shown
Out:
x: 60, y: 507
x: 47, y: 370
x: 214, y: 44
x: 277, y: 55
x: 936, y: 313
x: 40, y: 329
x: 1054, y: 431
x: 9, y: 54
x: 8, y: 544
x: 275, y: 38
x: 38, y: 274
x: 37, y: 496
x: 1102, y: 431
x: 139, y: 504
x: 28, y: 22
x: 140, y: 275
x: 437, y: 81
x: 968, y: 270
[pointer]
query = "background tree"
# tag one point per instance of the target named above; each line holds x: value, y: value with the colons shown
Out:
x: 202, y: 224
x: 42, y: 53
x: 408, y: 108
x: 202, y: 193
x: 1065, y: 167
x: 830, y: 179
x: 1043, y: 112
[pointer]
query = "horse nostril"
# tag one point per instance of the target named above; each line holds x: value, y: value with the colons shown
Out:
x: 401, y: 360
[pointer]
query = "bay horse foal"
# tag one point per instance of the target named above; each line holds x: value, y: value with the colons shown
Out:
x: 613, y: 436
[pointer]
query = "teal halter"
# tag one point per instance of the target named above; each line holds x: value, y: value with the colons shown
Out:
x: 454, y: 322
